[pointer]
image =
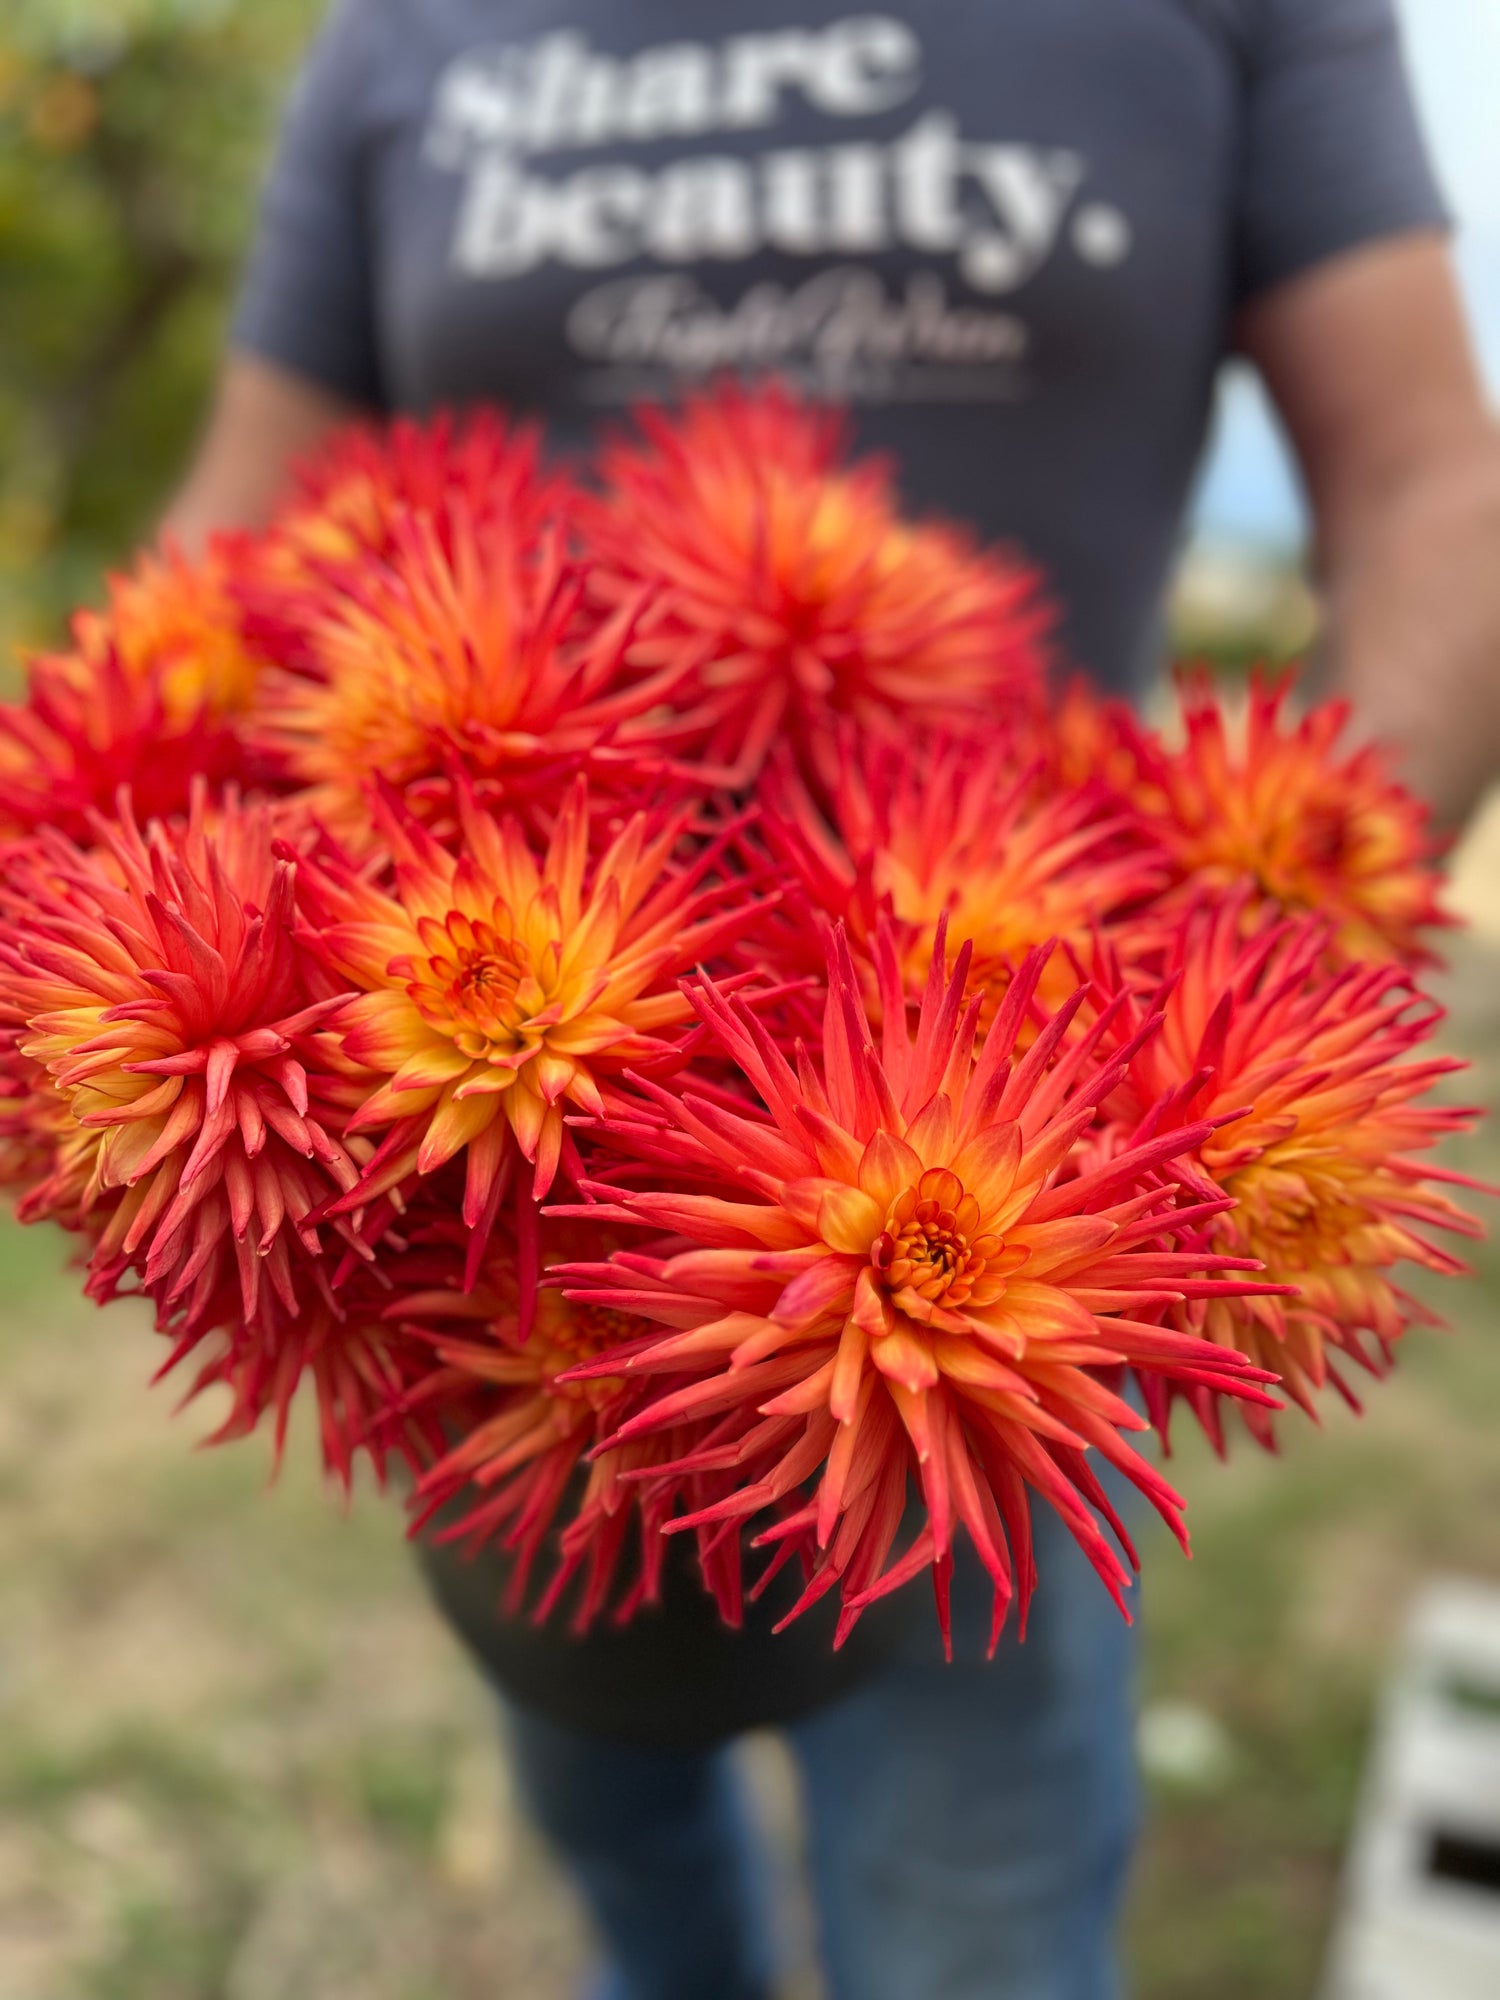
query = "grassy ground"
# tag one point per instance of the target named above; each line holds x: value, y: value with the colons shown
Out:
x: 239, y: 1760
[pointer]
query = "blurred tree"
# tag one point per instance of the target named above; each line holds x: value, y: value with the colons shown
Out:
x: 132, y: 135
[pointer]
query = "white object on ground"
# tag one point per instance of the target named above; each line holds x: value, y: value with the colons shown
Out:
x: 1184, y: 1746
x: 1421, y: 1914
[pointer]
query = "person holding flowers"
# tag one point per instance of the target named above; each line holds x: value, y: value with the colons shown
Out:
x: 817, y: 1177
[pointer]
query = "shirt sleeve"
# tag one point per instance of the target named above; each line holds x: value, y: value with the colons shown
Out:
x: 305, y: 298
x: 1334, y: 153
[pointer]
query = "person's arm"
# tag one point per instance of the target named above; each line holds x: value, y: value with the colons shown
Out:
x: 1346, y: 301
x: 1368, y: 359
x: 303, y: 349
x: 263, y: 419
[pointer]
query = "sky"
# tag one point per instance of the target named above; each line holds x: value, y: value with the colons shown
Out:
x: 1248, y: 494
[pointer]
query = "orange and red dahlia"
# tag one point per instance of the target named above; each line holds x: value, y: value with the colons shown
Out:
x: 160, y: 992
x: 498, y: 988
x: 891, y: 1275
x: 187, y: 1107
x: 1277, y: 803
x: 1313, y: 1080
x: 466, y: 648
x: 796, y: 573
x: 150, y: 696
x: 348, y: 498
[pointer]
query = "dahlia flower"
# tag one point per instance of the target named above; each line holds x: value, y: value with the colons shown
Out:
x: 158, y: 990
x: 799, y: 576
x: 1312, y: 1079
x: 150, y: 696
x: 349, y: 496
x: 466, y: 648
x: 889, y: 1273
x: 498, y: 988
x: 1277, y: 803
x: 930, y: 826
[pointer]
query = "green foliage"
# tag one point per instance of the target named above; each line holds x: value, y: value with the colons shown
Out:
x: 132, y: 137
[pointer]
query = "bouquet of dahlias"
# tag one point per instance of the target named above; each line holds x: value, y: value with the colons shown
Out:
x: 630, y: 994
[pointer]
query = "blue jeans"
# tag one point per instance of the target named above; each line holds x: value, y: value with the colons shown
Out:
x: 969, y: 1826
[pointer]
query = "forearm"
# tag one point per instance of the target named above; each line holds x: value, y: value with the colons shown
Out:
x: 1412, y: 588
x: 1369, y: 361
x: 263, y: 419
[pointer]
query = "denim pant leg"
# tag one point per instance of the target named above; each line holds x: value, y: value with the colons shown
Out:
x: 659, y: 1844
x: 970, y: 1826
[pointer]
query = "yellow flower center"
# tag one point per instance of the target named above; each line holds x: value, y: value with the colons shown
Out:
x: 569, y: 1334
x: 476, y: 985
x: 593, y: 1328
x: 1296, y: 1211
x: 484, y: 988
x: 932, y: 1244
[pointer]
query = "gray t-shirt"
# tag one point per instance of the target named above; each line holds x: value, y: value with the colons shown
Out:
x: 1011, y: 233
